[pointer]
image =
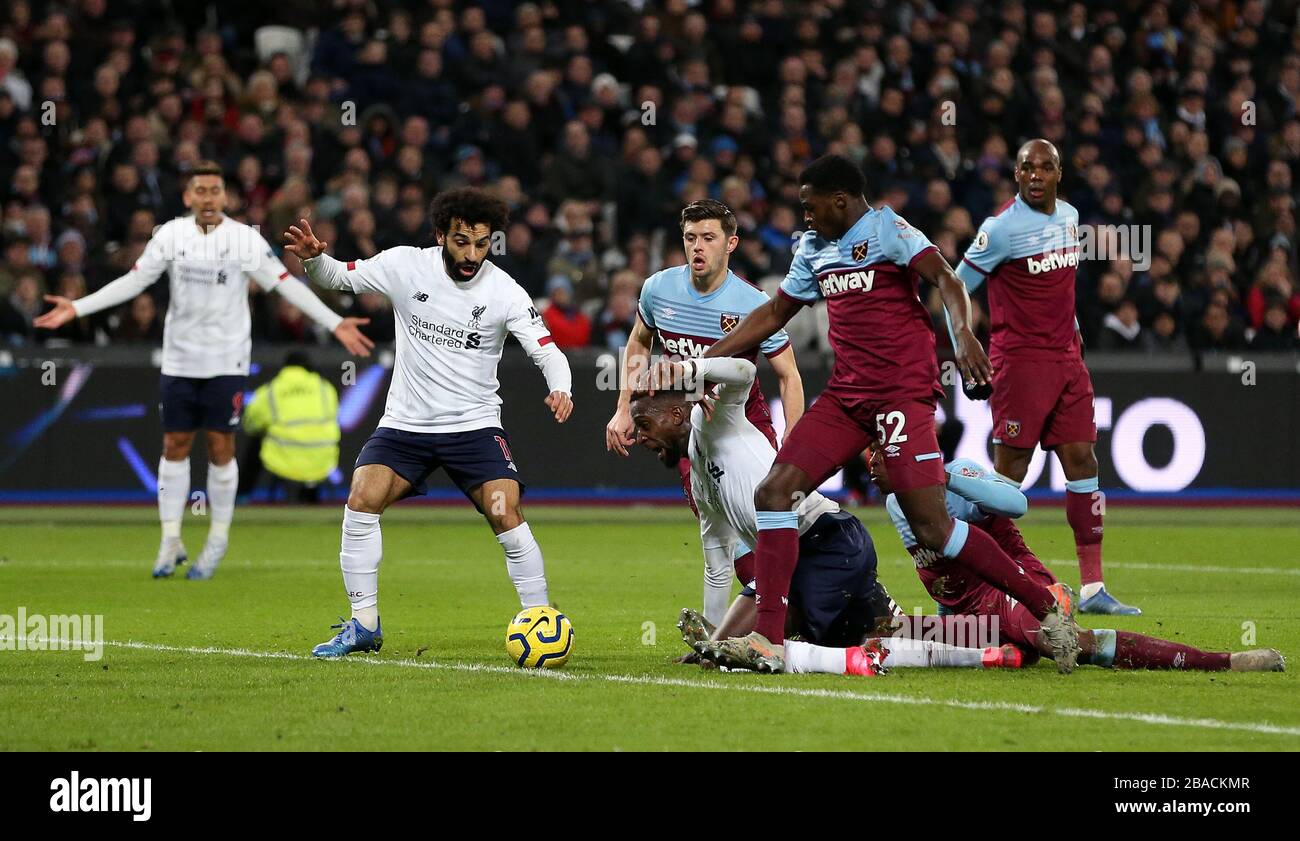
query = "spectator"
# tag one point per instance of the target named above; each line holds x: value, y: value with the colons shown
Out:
x: 1121, y: 329
x: 141, y: 324
x: 618, y: 317
x: 569, y: 325
x: 22, y: 305
x: 1218, y: 331
x: 1164, y: 335
x: 1277, y: 332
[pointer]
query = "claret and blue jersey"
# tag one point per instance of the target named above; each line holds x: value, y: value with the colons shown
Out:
x: 879, y: 329
x: 689, y: 323
x: 1030, y: 259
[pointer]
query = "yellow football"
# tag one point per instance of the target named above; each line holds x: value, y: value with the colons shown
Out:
x: 539, y: 638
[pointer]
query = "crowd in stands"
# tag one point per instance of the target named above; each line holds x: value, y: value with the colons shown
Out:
x: 598, y: 121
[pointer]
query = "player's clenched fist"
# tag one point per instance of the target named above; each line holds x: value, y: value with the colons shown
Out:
x: 619, y: 432
x: 561, y: 404
x: 302, y: 243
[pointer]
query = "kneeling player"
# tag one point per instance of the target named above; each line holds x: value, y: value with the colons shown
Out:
x: 835, y: 599
x: 988, y: 503
x: 454, y: 309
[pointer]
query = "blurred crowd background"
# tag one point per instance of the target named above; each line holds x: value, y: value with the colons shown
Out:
x: 596, y: 121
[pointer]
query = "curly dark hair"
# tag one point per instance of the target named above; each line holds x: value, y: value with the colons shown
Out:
x: 469, y: 205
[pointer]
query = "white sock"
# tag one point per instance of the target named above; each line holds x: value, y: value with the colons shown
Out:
x: 359, y: 556
x: 910, y: 653
x: 367, y: 616
x: 524, y: 563
x: 1087, y: 591
x: 804, y: 657
x: 173, y: 490
x: 223, y: 481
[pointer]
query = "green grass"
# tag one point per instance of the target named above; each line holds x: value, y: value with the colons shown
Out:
x: 443, y: 681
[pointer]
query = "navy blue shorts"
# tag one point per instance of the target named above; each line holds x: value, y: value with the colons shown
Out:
x: 470, y: 458
x: 835, y: 598
x: 190, y: 403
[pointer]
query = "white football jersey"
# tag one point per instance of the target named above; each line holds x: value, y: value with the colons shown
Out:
x: 449, y: 336
x: 207, y: 332
x: 730, y: 457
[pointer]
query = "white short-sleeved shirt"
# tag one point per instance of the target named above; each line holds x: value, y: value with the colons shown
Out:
x: 449, y: 337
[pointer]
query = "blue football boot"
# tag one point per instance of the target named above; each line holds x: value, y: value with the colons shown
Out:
x: 1104, y: 603
x: 352, y: 637
x: 170, y: 553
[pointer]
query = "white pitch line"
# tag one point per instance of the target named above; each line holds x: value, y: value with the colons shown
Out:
x: 1195, y: 568
x: 794, y: 691
x: 1062, y: 562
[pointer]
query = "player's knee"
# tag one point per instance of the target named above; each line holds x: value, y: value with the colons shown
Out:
x: 176, y: 448
x: 363, y: 501
x: 773, y: 494
x: 1087, y: 464
x: 503, y: 521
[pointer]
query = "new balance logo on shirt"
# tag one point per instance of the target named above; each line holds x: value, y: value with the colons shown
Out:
x: 420, y: 296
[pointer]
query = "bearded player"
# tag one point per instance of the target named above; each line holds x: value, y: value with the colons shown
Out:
x: 1042, y: 393
x: 865, y: 262
x: 207, y: 338
x: 990, y: 503
x: 689, y: 307
x: 454, y: 309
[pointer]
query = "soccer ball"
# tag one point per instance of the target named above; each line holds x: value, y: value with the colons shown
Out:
x: 539, y: 638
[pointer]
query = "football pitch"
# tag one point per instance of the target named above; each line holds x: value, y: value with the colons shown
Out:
x: 224, y: 664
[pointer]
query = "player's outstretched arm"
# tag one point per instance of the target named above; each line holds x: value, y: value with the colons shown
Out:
x: 271, y: 275
x: 761, y: 322
x: 971, y: 359
x: 619, y: 432
x: 143, y: 274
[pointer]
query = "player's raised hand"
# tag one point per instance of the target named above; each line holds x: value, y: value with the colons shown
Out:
x: 350, y: 336
x: 971, y: 359
x: 619, y: 432
x: 561, y: 404
x: 302, y: 243
x: 62, y: 313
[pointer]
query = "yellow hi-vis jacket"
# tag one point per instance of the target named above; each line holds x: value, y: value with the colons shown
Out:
x: 297, y: 413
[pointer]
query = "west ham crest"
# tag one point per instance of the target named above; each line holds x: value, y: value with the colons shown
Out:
x: 728, y: 321
x: 860, y: 252
x: 1013, y: 428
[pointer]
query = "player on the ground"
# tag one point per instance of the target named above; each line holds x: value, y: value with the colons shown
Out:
x: 454, y: 309
x: 865, y: 262
x: 836, y: 600
x: 689, y: 307
x: 989, y: 503
x: 1042, y: 393
x: 209, y: 258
